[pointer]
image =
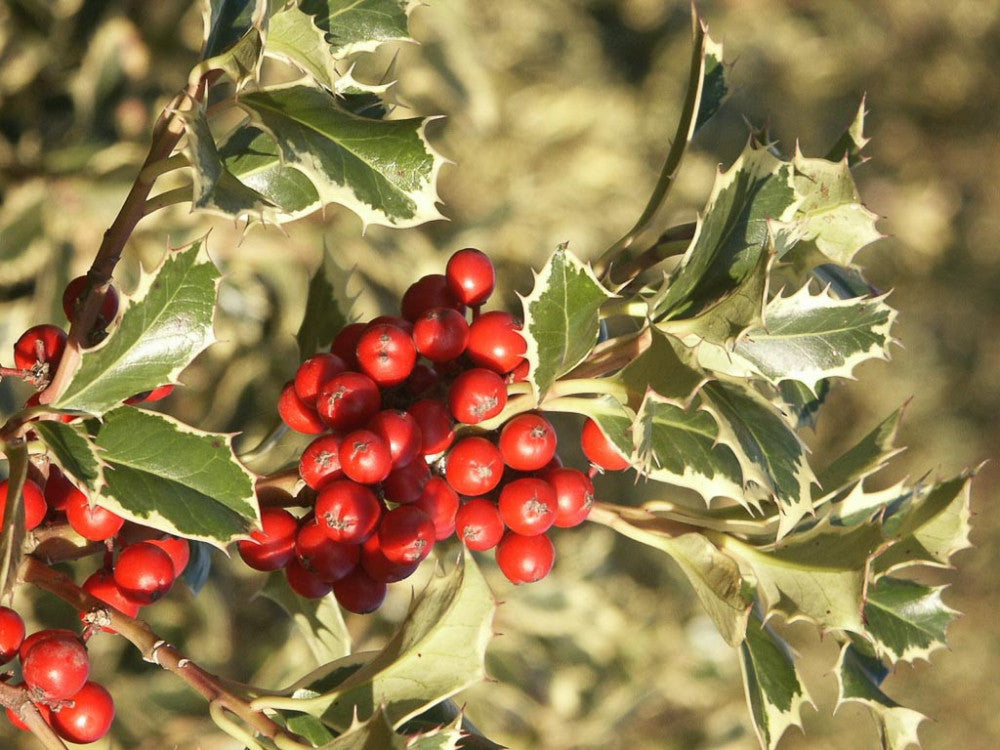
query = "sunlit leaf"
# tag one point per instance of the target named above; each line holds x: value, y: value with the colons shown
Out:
x: 864, y: 458
x: 359, y: 25
x: 293, y: 37
x: 906, y: 620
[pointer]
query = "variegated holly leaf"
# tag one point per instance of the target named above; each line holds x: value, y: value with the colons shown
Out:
x: 73, y: 449
x: 293, y: 37
x: 801, y: 403
x: 383, y: 170
x: 561, y: 318
x: 661, y: 369
x: 747, y: 203
x: 234, y: 39
x: 852, y: 141
x: 377, y: 732
x: 172, y: 477
x: 353, y: 26
x: 714, y: 89
x: 808, y: 338
x: 713, y: 574
x: 859, y: 677
x: 320, y: 621
x: 857, y: 505
x: 167, y: 322
x: 774, y: 689
x: 769, y: 452
x: 323, y: 317
x: 864, y: 458
x: 906, y: 620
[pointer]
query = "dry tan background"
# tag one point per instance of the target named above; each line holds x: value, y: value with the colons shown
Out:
x: 557, y: 116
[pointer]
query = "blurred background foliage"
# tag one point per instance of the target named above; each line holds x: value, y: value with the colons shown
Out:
x: 557, y: 115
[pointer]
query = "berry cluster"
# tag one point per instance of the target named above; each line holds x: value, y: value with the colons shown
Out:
x: 55, y: 668
x: 399, y: 462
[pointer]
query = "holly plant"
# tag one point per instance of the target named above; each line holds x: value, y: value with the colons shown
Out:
x: 689, y: 356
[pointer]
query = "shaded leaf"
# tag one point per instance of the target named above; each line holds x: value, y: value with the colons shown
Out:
x: 323, y: 318
x: 713, y: 88
x: 359, y: 25
x: 659, y: 368
x: 800, y: 402
x: 906, y: 620
x: 864, y: 458
x: 853, y: 140
x: 166, y: 324
x: 561, y: 318
x: 228, y: 21
x: 199, y: 566
x: 311, y: 728
x: 320, y: 621
x: 71, y: 447
x: 175, y: 478
x: 858, y: 506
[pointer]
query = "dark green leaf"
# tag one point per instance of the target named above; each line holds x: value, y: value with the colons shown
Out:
x: 359, y: 25
x: 228, y: 21
x: 866, y: 457
x: 319, y: 620
x: 166, y: 324
x: 713, y: 88
x: 199, y: 566
x: 800, y: 402
x: 323, y: 318
x: 906, y: 620
x: 659, y: 368
x: 852, y: 142
x: 71, y: 447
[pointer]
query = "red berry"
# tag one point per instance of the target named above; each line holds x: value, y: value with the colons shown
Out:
x: 428, y: 292
x: 400, y: 431
x: 304, y: 582
x: 56, y: 667
x: 528, y: 505
x: 527, y: 442
x: 358, y: 592
x: 73, y: 300
x: 157, y: 394
x: 365, y: 457
x: 406, y: 534
x: 474, y: 466
x: 471, y: 276
x: 520, y: 373
x: 87, y: 717
x: 43, y: 635
x: 320, y: 461
x: 313, y: 374
x: 379, y: 567
x: 574, y: 496
x: 101, y: 585
x: 477, y: 395
x: 495, y: 342
x: 347, y: 511
x: 599, y: 449
x: 434, y: 421
x: 273, y: 545
x: 320, y: 555
x: 345, y: 345
x: 298, y: 415
x: 179, y: 550
x: 35, y: 506
x: 11, y: 634
x: 525, y: 559
x: 393, y: 320
x: 44, y: 710
x: 422, y: 379
x: 92, y: 522
x: 479, y: 525
x: 144, y: 572
x: 440, y: 334
x: 386, y: 354
x: 59, y: 490
x: 43, y: 344
x: 404, y: 485
x: 348, y: 401
x: 439, y: 501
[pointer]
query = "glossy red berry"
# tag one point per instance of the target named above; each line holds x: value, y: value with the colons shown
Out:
x: 400, y: 431
x: 56, y: 666
x: 474, y: 466
x: 101, y: 585
x: 179, y: 550
x: 476, y: 395
x: 406, y: 534
x: 365, y: 457
x: 495, y: 342
x: 314, y: 373
x: 273, y: 545
x: 379, y: 567
x: 348, y: 400
x: 42, y: 344
x: 11, y: 634
x: 144, y: 572
x: 35, y: 506
x: 436, y: 429
x: 599, y: 449
x: 404, y: 485
x: 439, y: 501
x: 441, y: 334
x: 422, y: 379
x: 478, y: 524
x: 525, y: 559
x: 88, y: 715
x: 347, y: 511
x: 320, y: 461
x: 426, y: 293
x: 72, y: 301
x: 322, y: 556
x: 304, y: 582
x: 527, y: 505
x: 43, y: 635
x: 574, y: 496
x: 345, y: 345
x: 527, y: 442
x: 59, y: 489
x: 471, y: 276
x: 298, y: 415
x: 358, y: 592
x: 386, y: 354
x: 92, y: 522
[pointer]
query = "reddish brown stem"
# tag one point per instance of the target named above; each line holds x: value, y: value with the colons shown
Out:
x: 153, y: 648
x: 16, y: 698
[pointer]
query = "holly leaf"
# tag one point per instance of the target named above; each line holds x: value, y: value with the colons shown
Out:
x: 714, y: 89
x: 859, y: 677
x: 866, y: 457
x: 166, y: 324
x: 906, y: 620
x: 852, y: 141
x: 353, y: 26
x: 774, y: 690
x: 801, y: 402
x: 439, y: 650
x: 293, y: 38
x: 72, y: 448
x: 857, y: 505
x: 323, y: 318
x: 808, y: 338
x: 172, y: 477
x: 769, y: 452
x: 561, y: 318
x: 659, y: 368
x: 320, y: 621
x: 383, y: 170
x: 755, y: 195
x: 234, y: 39
x: 713, y: 574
